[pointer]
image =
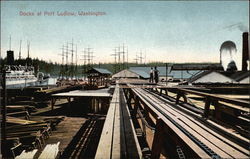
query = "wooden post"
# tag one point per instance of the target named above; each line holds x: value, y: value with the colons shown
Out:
x: 166, y: 74
x: 101, y: 105
x: 93, y: 104
x: 217, y: 110
x: 207, y: 107
x: 52, y: 103
x: 160, y: 91
x: 98, y: 105
x: 136, y: 106
x: 126, y: 92
x: 184, y: 97
x: 179, y: 95
x: 129, y: 96
x: 166, y: 91
x: 158, y: 140
x: 147, y: 116
x: 69, y: 104
x: 178, y: 98
x: 3, y: 111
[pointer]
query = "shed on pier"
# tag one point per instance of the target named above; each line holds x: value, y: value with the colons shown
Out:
x: 210, y: 77
x: 238, y: 77
x: 131, y: 74
x: 98, y: 76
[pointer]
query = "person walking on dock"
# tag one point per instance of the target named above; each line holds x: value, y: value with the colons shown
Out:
x: 151, y: 73
x: 156, y: 75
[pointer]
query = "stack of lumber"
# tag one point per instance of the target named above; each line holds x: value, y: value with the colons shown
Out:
x: 50, y: 151
x: 29, y: 134
x: 27, y: 155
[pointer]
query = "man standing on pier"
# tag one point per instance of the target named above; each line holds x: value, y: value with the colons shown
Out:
x: 156, y: 75
x: 151, y: 78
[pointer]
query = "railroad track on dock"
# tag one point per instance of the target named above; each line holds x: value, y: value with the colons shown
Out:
x: 201, y: 139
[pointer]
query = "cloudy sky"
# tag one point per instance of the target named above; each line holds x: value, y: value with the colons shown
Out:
x: 168, y: 31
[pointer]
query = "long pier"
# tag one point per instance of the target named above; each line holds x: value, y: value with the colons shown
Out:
x: 191, y: 136
x: 153, y: 121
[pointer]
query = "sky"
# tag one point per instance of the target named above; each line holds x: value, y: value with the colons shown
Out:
x: 167, y: 31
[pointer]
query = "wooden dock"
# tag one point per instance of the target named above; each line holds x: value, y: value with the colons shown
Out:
x: 142, y: 121
x: 118, y: 139
x: 64, y: 133
x: 188, y: 133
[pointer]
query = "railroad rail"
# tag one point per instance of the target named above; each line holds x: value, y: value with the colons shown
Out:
x: 222, y: 104
x: 191, y: 137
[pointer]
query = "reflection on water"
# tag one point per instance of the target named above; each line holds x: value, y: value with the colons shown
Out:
x: 50, y: 81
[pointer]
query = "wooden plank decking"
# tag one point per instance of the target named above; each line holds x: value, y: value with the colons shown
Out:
x: 118, y: 139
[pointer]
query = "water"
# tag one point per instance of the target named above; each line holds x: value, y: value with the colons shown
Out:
x: 52, y: 81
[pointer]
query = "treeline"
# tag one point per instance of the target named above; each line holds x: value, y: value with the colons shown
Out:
x: 56, y: 69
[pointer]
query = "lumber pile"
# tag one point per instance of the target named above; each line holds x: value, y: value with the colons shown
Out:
x: 50, y: 151
x: 28, y: 135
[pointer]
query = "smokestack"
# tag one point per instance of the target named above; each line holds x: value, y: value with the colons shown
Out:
x: 245, y: 51
x: 10, y: 57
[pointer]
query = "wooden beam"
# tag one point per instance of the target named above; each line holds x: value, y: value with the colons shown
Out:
x: 158, y: 140
x: 218, y: 97
x: 207, y: 107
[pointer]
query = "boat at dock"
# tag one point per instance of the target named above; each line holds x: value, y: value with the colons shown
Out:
x: 20, y: 75
x: 23, y: 76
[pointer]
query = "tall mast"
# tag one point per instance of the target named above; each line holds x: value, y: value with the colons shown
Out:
x: 76, y: 62
x: 20, y: 49
x: 66, y: 67
x: 141, y: 57
x: 67, y: 53
x: 72, y: 52
x: 76, y: 55
x: 136, y: 58
x: 28, y: 45
x: 72, y: 59
x: 10, y: 43
x: 115, y: 56
x: 119, y: 58
x: 123, y: 52
x: 127, y: 57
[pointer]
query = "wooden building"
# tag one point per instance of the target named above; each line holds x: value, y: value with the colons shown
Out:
x: 131, y: 74
x: 98, y: 76
x: 235, y: 77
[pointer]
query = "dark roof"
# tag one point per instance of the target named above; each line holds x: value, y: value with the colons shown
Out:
x: 236, y: 76
x: 102, y: 70
x: 196, y: 67
x: 98, y: 72
x: 198, y: 76
x: 141, y: 72
x: 240, y: 75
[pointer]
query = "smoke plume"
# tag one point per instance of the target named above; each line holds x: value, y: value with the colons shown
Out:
x: 239, y: 26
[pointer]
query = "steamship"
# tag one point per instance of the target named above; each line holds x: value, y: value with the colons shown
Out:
x: 23, y: 76
x: 18, y: 77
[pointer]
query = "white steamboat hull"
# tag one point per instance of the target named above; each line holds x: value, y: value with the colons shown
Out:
x: 19, y: 84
